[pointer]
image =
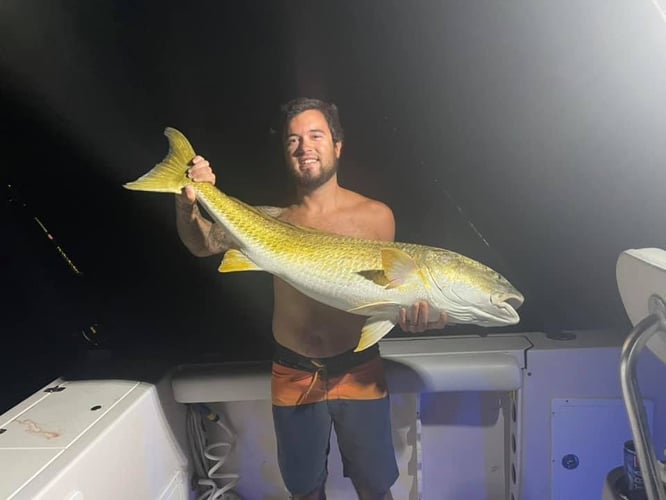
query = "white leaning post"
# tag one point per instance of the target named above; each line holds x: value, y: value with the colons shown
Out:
x: 651, y: 325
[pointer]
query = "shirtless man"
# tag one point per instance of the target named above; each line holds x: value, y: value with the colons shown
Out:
x: 317, y: 379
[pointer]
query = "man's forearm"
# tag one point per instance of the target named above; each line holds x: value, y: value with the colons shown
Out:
x: 198, y: 234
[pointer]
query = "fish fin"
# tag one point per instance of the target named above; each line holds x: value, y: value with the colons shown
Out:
x: 170, y: 175
x: 234, y: 260
x: 373, y: 330
x: 375, y: 308
x: 398, y: 266
x: 377, y: 276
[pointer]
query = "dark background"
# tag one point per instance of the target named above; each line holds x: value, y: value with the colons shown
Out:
x: 526, y: 134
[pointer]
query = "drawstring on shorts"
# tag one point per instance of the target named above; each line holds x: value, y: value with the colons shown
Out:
x: 320, y: 372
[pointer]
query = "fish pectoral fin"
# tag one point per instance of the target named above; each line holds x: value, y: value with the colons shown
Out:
x: 373, y: 330
x: 234, y: 260
x: 398, y: 266
x: 377, y: 276
x: 375, y: 309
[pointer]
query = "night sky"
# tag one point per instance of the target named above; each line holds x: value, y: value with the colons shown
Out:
x: 527, y: 135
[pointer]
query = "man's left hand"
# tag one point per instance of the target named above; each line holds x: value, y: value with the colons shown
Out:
x: 417, y: 320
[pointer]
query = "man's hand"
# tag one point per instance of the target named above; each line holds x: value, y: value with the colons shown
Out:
x: 200, y: 171
x: 417, y: 320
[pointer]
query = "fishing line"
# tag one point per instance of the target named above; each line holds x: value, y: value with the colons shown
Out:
x: 476, y: 231
x: 506, y: 268
x: 467, y: 220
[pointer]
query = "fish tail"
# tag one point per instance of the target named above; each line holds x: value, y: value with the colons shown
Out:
x: 170, y: 175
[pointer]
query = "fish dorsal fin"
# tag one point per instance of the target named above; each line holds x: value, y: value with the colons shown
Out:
x: 398, y: 266
x: 373, y: 330
x: 234, y: 260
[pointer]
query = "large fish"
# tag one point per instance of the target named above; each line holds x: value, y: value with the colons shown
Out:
x: 370, y: 278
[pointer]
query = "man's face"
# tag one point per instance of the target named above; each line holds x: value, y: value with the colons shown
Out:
x: 311, y: 155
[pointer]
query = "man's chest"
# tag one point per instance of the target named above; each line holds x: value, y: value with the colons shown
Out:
x: 343, y: 223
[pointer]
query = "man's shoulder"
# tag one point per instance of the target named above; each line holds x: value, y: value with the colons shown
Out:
x: 375, y: 207
x: 376, y: 214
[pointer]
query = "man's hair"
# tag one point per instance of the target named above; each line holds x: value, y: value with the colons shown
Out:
x: 301, y: 104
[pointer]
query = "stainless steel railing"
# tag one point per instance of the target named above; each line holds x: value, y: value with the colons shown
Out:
x: 651, y: 325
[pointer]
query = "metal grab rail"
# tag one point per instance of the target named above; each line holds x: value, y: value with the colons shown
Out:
x: 634, y: 344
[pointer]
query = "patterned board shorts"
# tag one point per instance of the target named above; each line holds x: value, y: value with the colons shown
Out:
x: 347, y: 391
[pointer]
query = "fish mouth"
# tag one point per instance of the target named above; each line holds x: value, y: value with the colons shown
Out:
x: 513, y: 299
x: 507, y: 303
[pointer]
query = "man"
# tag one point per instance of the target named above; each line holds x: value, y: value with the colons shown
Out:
x: 317, y: 379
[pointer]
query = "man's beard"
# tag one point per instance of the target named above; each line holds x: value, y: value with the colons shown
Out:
x: 311, y: 182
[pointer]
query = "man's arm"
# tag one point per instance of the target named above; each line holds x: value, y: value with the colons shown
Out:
x: 201, y: 236
x: 198, y: 234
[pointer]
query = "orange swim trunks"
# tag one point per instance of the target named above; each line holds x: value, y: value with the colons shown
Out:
x: 298, y: 380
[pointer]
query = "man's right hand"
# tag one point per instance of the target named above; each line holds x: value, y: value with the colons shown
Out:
x: 200, y: 171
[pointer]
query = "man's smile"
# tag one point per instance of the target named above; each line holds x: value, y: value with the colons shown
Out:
x: 307, y: 162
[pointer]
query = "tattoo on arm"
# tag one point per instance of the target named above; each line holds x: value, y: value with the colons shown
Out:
x: 219, y: 240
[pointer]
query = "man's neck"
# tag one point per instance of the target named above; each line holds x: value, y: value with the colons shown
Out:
x: 322, y: 199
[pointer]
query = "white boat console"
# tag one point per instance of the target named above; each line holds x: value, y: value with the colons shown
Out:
x: 412, y: 366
